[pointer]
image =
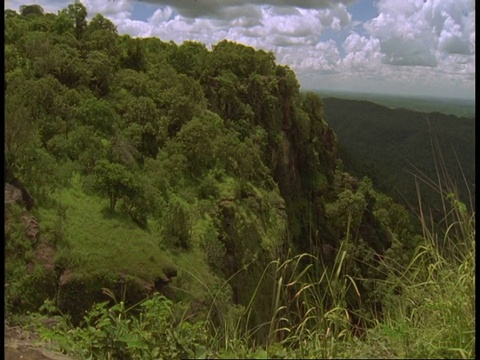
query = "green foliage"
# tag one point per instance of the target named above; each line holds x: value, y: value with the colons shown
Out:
x: 115, y: 181
x: 99, y: 72
x: 396, y: 146
x: 26, y: 284
x: 177, y: 223
x: 188, y: 58
x: 196, y: 142
x: 98, y: 114
x: 78, y: 14
x: 155, y: 328
x: 215, y: 163
x: 85, y: 148
x: 31, y: 10
x: 20, y: 135
x: 101, y: 34
x: 134, y: 57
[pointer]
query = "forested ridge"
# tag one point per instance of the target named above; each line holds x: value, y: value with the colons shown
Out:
x: 394, y: 147
x: 196, y: 192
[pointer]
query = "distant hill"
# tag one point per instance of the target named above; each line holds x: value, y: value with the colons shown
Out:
x: 458, y: 107
x: 386, y: 144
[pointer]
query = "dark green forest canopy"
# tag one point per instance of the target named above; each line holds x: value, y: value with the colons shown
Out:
x: 395, y: 146
x: 216, y: 149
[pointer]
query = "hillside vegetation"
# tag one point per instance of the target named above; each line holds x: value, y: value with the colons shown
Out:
x: 174, y: 201
x: 394, y: 147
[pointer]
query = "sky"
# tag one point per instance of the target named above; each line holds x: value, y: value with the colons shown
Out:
x: 392, y: 47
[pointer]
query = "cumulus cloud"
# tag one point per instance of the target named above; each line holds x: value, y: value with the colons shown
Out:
x: 215, y: 8
x: 361, y: 52
x: 119, y: 9
x: 321, y: 57
x: 414, y: 32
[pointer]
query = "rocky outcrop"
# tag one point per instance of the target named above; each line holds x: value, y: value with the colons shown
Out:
x: 16, y: 194
x: 32, y: 229
x: 26, y: 197
x: 13, y: 195
x: 22, y: 344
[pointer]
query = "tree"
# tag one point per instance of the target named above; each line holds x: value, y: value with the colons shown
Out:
x: 134, y: 56
x: 101, y: 34
x: 20, y: 133
x: 177, y: 96
x: 142, y: 111
x: 63, y: 23
x: 99, y: 114
x: 196, y: 141
x: 31, y: 10
x: 100, y: 72
x: 36, y: 46
x: 15, y: 27
x: 122, y: 150
x: 85, y: 147
x: 115, y: 181
x: 78, y: 13
x: 188, y: 58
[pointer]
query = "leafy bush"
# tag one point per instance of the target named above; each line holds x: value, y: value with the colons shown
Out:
x: 155, y: 328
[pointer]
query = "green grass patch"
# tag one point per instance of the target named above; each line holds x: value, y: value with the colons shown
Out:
x: 100, y: 240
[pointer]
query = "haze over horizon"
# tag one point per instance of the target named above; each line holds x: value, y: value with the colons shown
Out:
x: 408, y: 48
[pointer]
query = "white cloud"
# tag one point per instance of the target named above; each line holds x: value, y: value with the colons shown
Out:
x: 337, y: 17
x: 322, y: 57
x: 415, y: 32
x: 411, y: 45
x: 361, y: 52
x: 116, y: 10
x: 215, y: 8
x: 404, y: 32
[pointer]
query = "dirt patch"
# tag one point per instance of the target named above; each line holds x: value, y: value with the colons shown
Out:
x: 21, y: 344
x: 45, y: 254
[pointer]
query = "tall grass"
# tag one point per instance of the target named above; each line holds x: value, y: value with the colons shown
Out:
x: 428, y: 304
x: 431, y: 313
x: 428, y: 308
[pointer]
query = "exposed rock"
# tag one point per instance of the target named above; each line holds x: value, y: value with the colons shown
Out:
x: 26, y: 197
x: 45, y: 255
x: 13, y: 195
x: 21, y: 344
x: 50, y: 323
x: 30, y: 268
x: 65, y: 277
x: 32, y: 229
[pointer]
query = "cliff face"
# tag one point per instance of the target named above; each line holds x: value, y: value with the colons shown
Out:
x: 305, y: 162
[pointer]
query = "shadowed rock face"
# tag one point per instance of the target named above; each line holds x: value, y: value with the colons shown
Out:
x: 26, y: 197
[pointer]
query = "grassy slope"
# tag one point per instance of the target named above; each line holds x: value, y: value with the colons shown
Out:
x: 99, y: 240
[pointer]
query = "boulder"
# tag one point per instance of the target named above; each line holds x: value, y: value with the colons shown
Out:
x: 13, y: 195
